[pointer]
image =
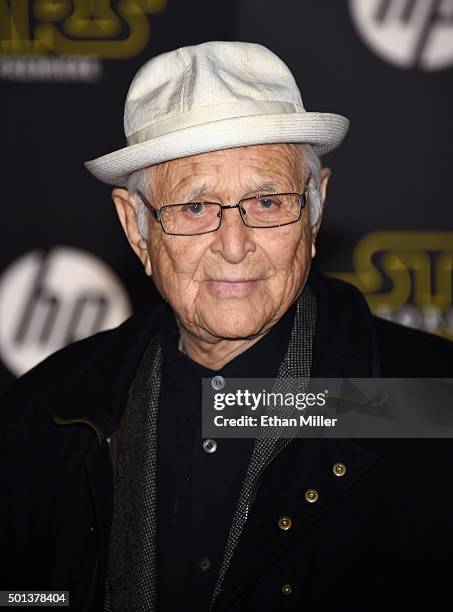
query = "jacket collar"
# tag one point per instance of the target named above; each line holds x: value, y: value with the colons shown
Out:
x: 344, y: 346
x: 345, y: 343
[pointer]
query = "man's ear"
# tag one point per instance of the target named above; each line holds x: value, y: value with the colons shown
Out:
x: 314, y: 233
x: 126, y: 210
x: 326, y: 173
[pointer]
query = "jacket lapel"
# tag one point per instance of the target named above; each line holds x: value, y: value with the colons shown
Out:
x: 295, y: 365
x: 97, y: 400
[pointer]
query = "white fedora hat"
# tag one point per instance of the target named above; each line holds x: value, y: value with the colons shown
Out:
x: 212, y: 96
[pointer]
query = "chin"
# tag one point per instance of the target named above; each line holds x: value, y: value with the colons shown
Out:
x: 234, y: 321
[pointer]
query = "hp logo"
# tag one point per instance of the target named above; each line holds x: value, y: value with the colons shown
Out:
x: 48, y: 301
x: 407, y: 33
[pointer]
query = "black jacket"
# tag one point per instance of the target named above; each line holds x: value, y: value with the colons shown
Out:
x: 378, y: 538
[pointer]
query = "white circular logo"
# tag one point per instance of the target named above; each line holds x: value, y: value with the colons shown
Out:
x: 408, y: 33
x: 49, y: 300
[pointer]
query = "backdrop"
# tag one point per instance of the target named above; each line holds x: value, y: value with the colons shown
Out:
x: 66, y: 270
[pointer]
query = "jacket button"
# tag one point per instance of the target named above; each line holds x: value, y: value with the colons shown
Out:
x: 311, y: 495
x: 339, y: 469
x: 286, y: 589
x: 284, y: 522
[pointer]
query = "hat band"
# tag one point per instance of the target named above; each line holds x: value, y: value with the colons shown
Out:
x: 217, y: 112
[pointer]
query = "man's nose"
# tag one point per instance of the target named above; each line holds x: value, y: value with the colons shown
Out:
x: 233, y: 240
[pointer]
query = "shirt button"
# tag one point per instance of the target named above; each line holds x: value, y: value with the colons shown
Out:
x: 218, y: 382
x: 209, y: 446
x: 287, y: 589
x: 204, y: 564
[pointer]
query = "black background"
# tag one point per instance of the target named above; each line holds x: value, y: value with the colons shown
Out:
x: 393, y: 172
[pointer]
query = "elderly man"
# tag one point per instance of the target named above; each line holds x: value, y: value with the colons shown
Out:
x: 112, y: 493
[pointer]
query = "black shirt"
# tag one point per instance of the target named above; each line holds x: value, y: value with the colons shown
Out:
x: 197, y: 491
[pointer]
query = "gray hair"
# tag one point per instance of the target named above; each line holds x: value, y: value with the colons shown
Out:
x: 312, y: 168
x: 139, y: 180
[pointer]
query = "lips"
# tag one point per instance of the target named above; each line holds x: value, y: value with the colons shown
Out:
x: 233, y: 280
x: 224, y: 287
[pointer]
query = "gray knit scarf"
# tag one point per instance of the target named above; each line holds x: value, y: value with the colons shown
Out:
x: 131, y: 573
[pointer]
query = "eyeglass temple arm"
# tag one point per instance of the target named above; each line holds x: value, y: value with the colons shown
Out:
x: 154, y: 211
x: 303, y: 196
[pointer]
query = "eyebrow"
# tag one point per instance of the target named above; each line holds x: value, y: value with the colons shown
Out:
x: 260, y: 187
x: 269, y: 186
x: 196, y: 192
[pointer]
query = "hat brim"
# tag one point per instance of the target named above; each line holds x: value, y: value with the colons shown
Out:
x: 325, y: 131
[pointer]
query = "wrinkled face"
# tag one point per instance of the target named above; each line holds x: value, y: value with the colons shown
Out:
x: 238, y: 281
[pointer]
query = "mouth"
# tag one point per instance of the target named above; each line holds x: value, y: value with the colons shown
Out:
x: 241, y: 286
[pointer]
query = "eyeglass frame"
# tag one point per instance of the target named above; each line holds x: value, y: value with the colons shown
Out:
x: 157, y: 212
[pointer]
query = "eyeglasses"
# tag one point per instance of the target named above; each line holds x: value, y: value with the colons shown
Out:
x: 260, y: 211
